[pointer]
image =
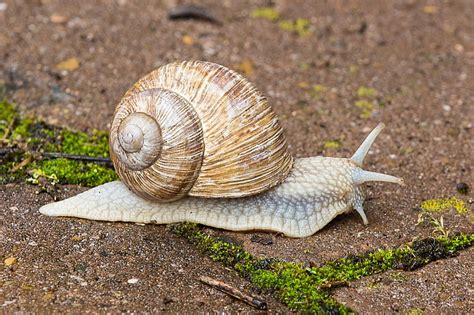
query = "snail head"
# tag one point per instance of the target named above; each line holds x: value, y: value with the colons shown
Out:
x: 361, y: 176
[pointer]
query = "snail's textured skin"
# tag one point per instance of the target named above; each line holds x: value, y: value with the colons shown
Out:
x: 316, y: 190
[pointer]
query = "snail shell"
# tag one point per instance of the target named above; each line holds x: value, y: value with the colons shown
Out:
x: 197, y: 128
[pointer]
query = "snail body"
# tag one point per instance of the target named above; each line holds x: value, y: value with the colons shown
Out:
x: 195, y: 141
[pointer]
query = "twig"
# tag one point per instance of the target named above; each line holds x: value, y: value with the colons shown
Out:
x: 22, y: 164
x: 234, y: 292
x: 56, y: 155
x: 82, y: 158
x: 7, y: 131
x: 185, y: 12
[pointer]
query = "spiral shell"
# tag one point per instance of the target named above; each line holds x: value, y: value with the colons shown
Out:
x: 200, y: 129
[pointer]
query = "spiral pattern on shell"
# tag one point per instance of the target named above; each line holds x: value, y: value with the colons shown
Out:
x: 197, y: 128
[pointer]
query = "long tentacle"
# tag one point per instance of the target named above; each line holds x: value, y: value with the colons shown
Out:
x: 363, y: 176
x: 361, y: 153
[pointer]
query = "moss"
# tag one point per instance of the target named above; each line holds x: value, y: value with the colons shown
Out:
x: 367, y: 101
x: 289, y: 281
x: 266, y: 13
x: 76, y: 173
x: 415, y: 311
x: 318, y: 90
x: 6, y: 176
x: 332, y: 144
x: 443, y: 204
x: 298, y: 26
x: 28, y: 134
x: 7, y: 115
x: 94, y: 144
x: 300, y: 288
x: 458, y: 242
x: 353, y: 69
x: 367, y: 108
x: 365, y: 92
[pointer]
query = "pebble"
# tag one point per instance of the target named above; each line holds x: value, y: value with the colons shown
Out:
x: 264, y: 240
x: 132, y: 281
x: 462, y: 188
x: 446, y: 108
x: 10, y: 261
x: 58, y: 19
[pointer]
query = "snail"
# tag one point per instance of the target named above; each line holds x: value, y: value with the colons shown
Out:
x: 194, y: 141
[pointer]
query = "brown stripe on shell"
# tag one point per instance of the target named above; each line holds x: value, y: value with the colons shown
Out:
x: 245, y: 149
x: 174, y: 172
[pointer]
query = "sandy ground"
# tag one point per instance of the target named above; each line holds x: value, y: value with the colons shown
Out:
x: 417, y: 55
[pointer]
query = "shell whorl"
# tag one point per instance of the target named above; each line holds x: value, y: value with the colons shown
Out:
x: 240, y: 149
x: 156, y: 144
x: 139, y: 136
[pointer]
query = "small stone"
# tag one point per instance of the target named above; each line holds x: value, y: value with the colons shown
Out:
x: 81, y: 267
x: 58, y: 96
x: 10, y: 261
x: 462, y: 188
x: 47, y: 296
x: 264, y: 240
x: 430, y: 9
x: 188, y: 40
x: 459, y: 48
x: 246, y: 67
x: 57, y: 19
x: 132, y: 281
x: 70, y: 64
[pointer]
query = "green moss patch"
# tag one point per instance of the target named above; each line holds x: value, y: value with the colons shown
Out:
x: 367, y: 108
x: 298, y: 26
x: 78, y: 173
x: 26, y: 142
x: 366, y: 92
x: 332, y: 144
x: 367, y: 100
x: 305, y: 288
x: 444, y: 204
x: 266, y: 13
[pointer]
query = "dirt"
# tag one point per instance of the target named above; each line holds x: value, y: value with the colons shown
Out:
x: 417, y: 55
x: 442, y: 287
x: 81, y: 266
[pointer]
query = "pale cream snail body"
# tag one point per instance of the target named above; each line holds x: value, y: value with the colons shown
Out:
x: 195, y: 141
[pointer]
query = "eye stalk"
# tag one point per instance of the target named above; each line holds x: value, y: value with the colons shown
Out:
x: 360, y: 176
